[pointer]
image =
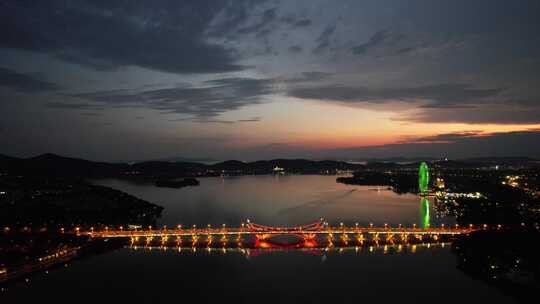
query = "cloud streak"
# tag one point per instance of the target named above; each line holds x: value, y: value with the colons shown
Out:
x: 452, y: 145
x: 202, y: 103
x: 25, y: 83
x: 440, y: 95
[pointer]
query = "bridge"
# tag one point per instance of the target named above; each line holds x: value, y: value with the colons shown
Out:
x: 264, y: 234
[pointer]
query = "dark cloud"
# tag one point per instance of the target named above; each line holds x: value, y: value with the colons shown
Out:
x: 161, y: 35
x: 399, y: 42
x: 508, y: 112
x: 231, y: 18
x: 75, y: 106
x: 441, y: 95
x: 382, y: 37
x: 441, y: 103
x: 24, y: 83
x: 253, y: 119
x: 295, y: 21
x: 443, y: 138
x: 302, y: 23
x: 316, y: 75
x: 453, y: 145
x: 324, y: 39
x: 204, y: 120
x: 260, y: 27
x: 215, y: 121
x: 295, y: 49
x: 312, y: 77
x: 237, y: 22
x: 215, y: 97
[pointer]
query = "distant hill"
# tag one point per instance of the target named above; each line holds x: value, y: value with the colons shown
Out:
x: 56, y: 165
x: 60, y: 166
x: 501, y: 160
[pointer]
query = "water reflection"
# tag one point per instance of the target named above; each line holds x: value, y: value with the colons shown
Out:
x: 162, y: 275
x: 424, y: 212
x: 279, y: 201
x: 321, y: 251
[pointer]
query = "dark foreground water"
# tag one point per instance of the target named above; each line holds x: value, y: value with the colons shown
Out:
x: 349, y: 276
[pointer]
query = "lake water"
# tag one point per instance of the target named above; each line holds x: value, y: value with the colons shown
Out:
x: 348, y: 276
x: 282, y: 200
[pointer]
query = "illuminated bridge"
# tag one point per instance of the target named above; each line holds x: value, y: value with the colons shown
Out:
x: 307, y: 234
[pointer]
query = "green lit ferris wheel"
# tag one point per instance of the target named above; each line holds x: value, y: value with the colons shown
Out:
x: 423, y: 178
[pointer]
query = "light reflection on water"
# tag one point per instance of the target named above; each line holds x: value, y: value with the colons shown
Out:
x: 340, y: 275
x: 281, y: 200
x: 424, y: 213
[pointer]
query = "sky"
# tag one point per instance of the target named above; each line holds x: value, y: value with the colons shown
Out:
x: 239, y: 79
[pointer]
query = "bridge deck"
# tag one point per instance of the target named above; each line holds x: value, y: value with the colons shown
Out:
x: 246, y: 232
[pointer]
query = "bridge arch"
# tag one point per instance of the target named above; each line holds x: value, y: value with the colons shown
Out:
x: 305, y: 233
